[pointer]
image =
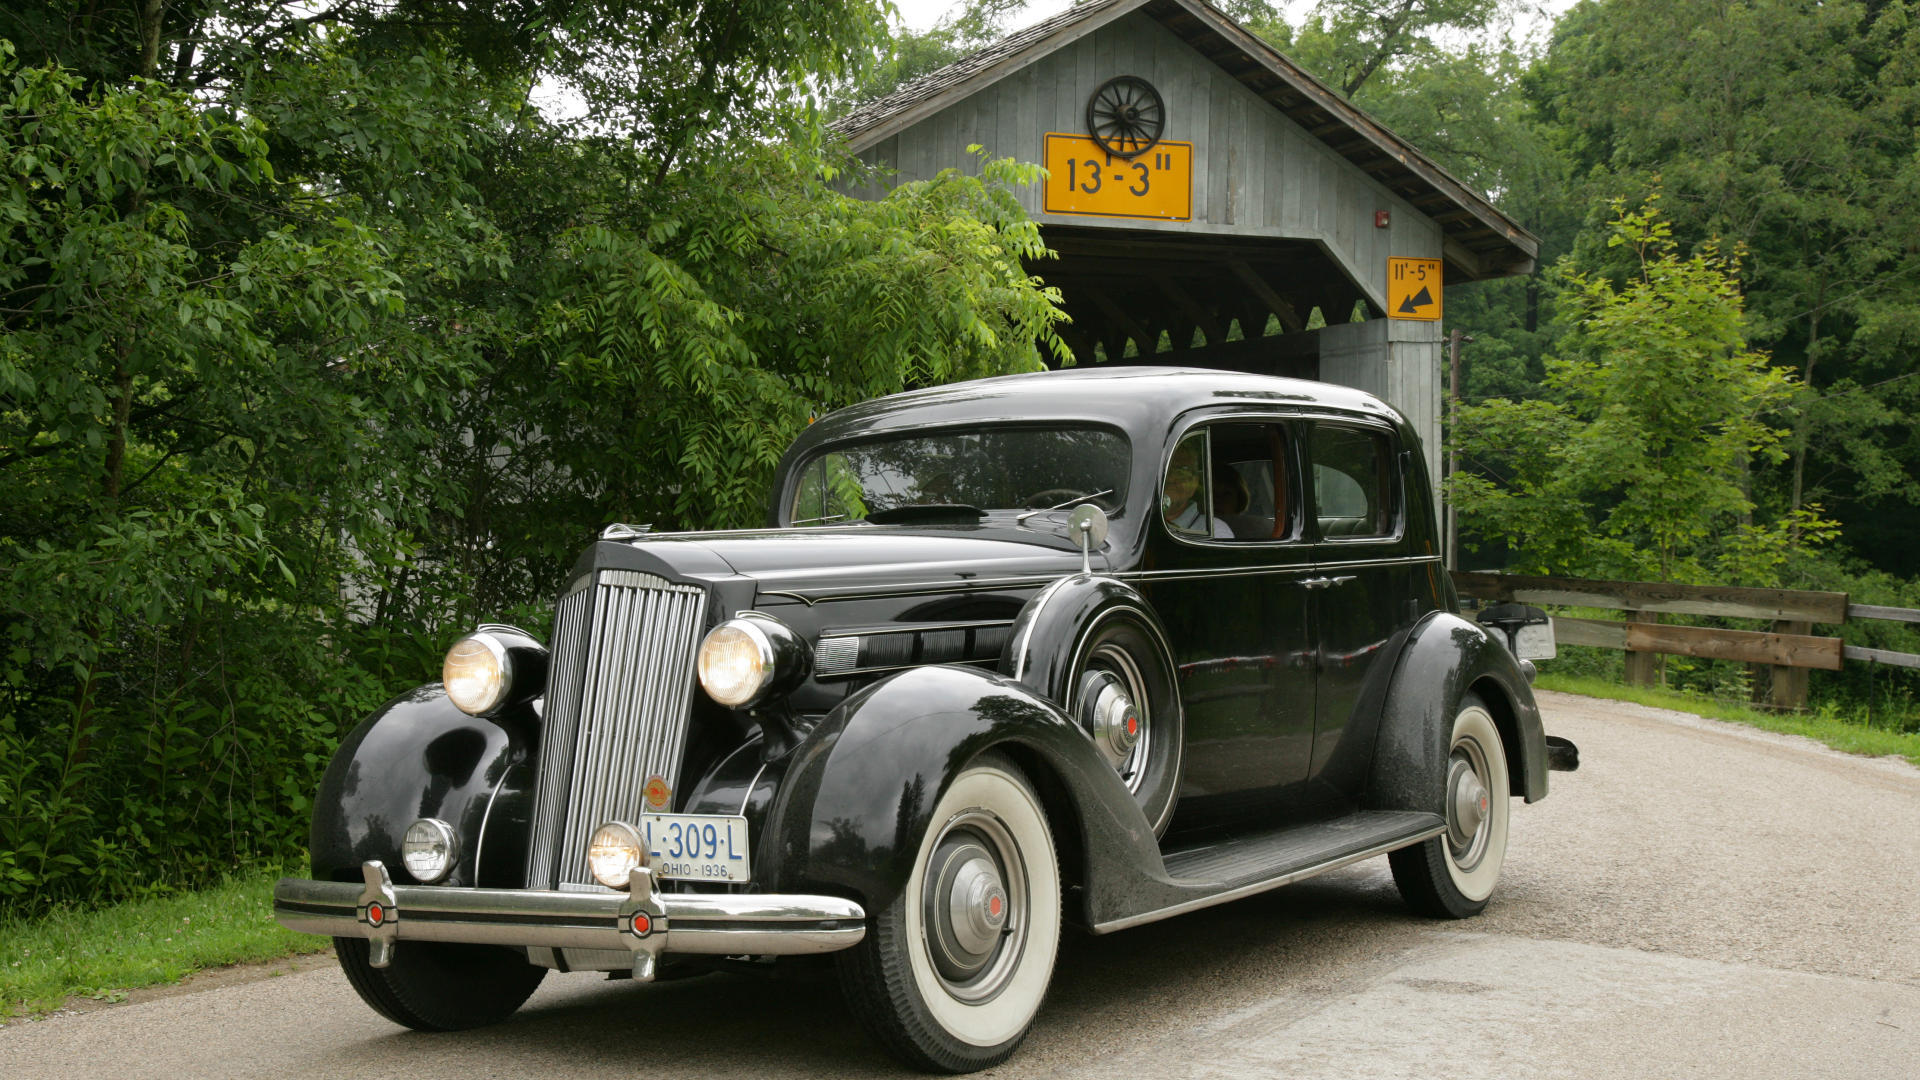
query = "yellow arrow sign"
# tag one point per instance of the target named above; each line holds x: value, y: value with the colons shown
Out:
x: 1414, y: 289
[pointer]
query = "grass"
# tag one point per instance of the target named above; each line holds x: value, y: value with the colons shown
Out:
x: 1824, y: 725
x: 104, y: 953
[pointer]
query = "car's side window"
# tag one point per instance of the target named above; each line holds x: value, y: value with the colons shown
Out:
x: 1241, y: 481
x: 1352, y: 482
x: 1185, y: 499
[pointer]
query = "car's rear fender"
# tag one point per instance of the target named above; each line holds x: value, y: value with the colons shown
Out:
x: 1443, y: 659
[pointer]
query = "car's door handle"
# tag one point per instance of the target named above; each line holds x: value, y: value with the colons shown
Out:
x: 1326, y: 582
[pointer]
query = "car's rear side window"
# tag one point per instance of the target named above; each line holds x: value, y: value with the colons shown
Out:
x: 1352, y: 482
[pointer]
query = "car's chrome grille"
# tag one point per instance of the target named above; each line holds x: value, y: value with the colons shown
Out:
x: 617, y: 703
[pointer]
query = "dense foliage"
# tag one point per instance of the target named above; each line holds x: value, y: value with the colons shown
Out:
x: 318, y: 341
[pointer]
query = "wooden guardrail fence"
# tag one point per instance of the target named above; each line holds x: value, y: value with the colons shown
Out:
x: 1790, y: 650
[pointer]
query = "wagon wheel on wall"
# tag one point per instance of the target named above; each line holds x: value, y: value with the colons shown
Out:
x: 1126, y: 116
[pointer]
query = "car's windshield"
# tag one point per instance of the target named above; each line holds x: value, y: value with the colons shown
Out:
x: 970, y: 472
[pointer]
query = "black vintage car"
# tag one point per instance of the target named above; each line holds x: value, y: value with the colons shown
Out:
x: 1094, y: 647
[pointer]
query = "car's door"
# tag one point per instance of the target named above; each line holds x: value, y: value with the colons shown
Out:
x: 1362, y: 582
x: 1226, y: 559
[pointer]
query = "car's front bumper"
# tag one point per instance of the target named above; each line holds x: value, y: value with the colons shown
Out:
x: 642, y: 920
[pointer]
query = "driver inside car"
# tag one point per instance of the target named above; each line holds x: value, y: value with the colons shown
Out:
x: 1183, y: 498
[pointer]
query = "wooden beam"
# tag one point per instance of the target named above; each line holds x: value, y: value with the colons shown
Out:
x: 1723, y: 600
x: 1882, y: 656
x: 1289, y: 318
x: 1464, y: 257
x: 1209, y: 322
x: 1873, y: 611
x: 1143, y: 339
x: 1782, y: 650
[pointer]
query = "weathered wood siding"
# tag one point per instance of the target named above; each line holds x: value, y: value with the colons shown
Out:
x: 1255, y: 172
x: 1397, y: 361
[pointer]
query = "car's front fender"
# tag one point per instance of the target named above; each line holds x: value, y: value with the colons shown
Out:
x: 419, y: 756
x: 859, y: 792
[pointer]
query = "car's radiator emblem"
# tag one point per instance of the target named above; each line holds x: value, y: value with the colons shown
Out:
x: 658, y: 793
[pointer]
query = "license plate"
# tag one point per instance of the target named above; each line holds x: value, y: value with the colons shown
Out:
x: 697, y: 847
x: 1535, y: 642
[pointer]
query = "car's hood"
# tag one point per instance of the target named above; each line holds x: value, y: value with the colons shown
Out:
x: 831, y: 560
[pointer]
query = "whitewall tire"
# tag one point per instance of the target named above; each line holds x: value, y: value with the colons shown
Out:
x: 952, y: 972
x: 1453, y: 875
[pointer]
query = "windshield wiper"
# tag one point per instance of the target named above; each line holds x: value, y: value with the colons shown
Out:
x: 923, y: 512
x: 811, y: 520
x: 1022, y: 519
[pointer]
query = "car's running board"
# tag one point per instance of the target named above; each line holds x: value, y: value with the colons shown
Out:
x: 1217, y: 873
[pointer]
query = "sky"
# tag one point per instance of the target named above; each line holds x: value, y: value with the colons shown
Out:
x: 1535, y: 15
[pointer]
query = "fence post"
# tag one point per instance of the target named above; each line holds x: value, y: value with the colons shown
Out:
x: 1643, y: 668
x: 1790, y: 683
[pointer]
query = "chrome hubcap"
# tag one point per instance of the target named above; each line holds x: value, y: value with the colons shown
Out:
x: 973, y: 906
x: 1114, y: 711
x: 1469, y: 804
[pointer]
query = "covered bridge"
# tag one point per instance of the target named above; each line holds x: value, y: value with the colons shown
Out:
x: 1206, y: 195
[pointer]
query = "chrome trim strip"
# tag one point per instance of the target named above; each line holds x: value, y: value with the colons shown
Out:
x: 1205, y: 572
x: 1038, y: 604
x: 814, y: 596
x: 1394, y: 560
x: 486, y: 816
x: 1258, y: 887
x: 748, y: 797
x: 756, y: 924
x: 911, y: 627
x: 911, y: 588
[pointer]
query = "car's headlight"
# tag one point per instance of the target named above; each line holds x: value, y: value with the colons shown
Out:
x: 493, y: 667
x: 613, y: 853
x: 745, y: 659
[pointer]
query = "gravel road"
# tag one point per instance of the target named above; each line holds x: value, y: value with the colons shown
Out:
x: 1699, y: 900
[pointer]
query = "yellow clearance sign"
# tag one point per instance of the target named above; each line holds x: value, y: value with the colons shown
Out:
x: 1085, y: 179
x: 1413, y: 289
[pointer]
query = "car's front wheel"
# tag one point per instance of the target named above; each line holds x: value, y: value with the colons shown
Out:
x: 952, y: 971
x: 1451, y: 876
x: 441, y: 986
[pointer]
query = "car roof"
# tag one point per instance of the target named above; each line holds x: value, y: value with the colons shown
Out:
x: 1136, y: 399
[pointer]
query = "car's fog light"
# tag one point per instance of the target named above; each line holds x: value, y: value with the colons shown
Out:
x: 613, y: 853
x: 428, y: 850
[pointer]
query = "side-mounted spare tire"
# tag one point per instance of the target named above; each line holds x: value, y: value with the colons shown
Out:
x: 1093, y: 646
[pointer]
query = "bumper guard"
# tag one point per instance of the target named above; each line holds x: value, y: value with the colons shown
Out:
x: 643, y: 920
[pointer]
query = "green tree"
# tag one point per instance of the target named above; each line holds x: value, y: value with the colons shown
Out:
x: 1787, y: 129
x: 319, y: 342
x: 1635, y: 465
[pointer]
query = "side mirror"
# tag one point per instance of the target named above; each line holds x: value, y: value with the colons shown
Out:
x: 1088, y: 525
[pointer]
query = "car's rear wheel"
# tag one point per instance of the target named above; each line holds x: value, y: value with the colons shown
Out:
x: 441, y: 986
x: 952, y: 972
x: 1120, y: 650
x: 1452, y: 876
